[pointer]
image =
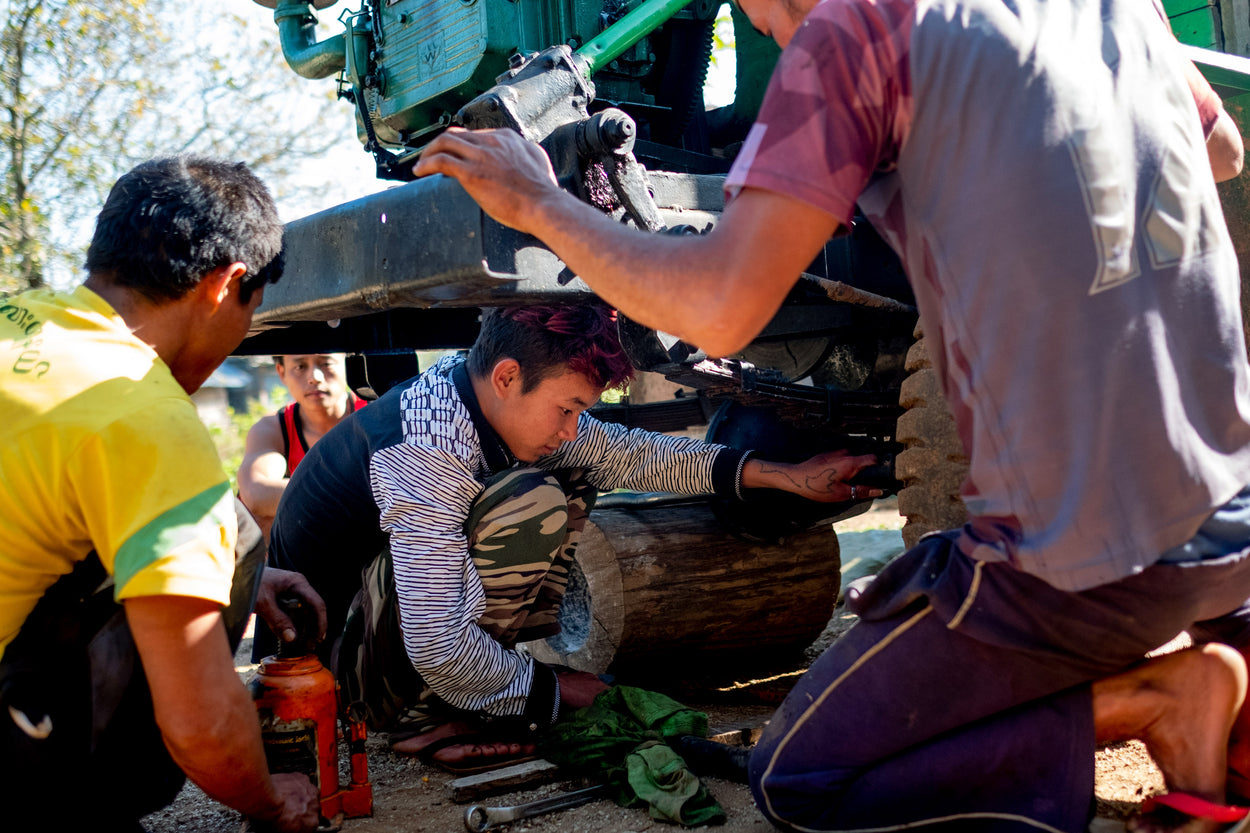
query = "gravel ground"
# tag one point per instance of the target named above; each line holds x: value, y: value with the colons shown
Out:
x: 410, y: 797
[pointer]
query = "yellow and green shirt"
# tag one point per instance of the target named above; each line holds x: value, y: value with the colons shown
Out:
x: 101, y: 448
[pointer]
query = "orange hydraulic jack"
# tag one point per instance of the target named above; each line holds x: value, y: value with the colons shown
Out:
x: 297, y: 701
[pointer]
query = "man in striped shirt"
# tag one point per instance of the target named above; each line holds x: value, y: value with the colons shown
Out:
x: 473, y: 482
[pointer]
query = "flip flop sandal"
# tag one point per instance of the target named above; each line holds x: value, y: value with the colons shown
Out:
x: 396, y: 735
x: 1182, y: 806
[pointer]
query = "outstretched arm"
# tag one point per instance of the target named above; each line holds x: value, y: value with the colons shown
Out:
x: 205, y: 716
x: 716, y: 290
x: 821, y: 478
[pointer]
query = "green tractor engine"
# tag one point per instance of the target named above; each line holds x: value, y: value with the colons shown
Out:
x: 408, y: 66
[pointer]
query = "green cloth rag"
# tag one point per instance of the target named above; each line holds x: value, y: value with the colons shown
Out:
x: 621, y: 738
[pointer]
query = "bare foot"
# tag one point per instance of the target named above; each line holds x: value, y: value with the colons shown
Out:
x: 1182, y: 706
x: 461, y: 754
x: 474, y: 754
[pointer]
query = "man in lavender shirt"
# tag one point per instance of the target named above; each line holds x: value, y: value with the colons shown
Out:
x: 1044, y: 170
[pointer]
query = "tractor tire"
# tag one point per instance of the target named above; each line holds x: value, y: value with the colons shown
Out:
x: 933, y: 463
x: 684, y: 54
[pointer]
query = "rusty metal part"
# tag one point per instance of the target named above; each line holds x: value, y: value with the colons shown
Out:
x: 608, y: 138
x: 478, y: 819
x: 847, y: 294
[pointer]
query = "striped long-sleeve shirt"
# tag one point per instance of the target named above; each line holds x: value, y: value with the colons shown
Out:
x: 408, y: 468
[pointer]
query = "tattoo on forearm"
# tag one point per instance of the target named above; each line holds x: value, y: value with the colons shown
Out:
x: 820, y: 482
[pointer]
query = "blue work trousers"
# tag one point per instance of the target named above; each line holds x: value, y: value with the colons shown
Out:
x: 961, y: 699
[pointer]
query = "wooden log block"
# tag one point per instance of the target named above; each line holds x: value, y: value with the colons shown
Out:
x: 668, y: 586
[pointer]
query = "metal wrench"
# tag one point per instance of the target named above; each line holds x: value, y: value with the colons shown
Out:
x: 479, y: 819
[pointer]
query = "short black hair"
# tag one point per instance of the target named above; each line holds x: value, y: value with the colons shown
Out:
x: 548, y: 340
x: 169, y: 222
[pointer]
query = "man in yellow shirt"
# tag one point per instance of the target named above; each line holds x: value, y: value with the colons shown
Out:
x: 107, y: 477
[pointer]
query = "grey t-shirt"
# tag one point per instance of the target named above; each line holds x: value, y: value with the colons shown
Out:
x: 1041, y: 170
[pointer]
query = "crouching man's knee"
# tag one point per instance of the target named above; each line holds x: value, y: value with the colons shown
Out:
x: 792, y: 790
x: 523, y: 508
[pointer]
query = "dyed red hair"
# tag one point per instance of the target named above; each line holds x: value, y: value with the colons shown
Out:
x: 546, y: 339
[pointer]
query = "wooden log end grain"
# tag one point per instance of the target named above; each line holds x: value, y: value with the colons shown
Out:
x: 666, y: 586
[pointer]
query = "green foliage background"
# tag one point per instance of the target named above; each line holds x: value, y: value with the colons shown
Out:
x: 89, y: 88
x: 230, y: 439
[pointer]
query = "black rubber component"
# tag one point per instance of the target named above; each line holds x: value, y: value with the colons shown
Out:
x: 717, y: 760
x: 677, y: 79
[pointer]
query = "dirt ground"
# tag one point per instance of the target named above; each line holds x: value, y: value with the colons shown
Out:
x: 414, y: 798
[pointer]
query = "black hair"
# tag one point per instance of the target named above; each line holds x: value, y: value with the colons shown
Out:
x: 169, y: 222
x: 547, y: 340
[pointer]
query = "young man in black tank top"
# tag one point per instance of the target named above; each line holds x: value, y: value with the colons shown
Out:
x: 276, y: 443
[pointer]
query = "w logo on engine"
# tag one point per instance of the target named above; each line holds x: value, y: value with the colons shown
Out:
x: 432, y: 55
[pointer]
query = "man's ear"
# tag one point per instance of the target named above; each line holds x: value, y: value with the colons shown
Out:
x: 505, y: 378
x: 216, y: 284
